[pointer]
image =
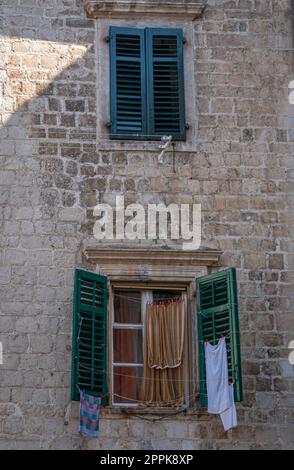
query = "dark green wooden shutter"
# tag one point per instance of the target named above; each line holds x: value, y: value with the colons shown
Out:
x: 217, y: 314
x: 89, y: 343
x: 127, y: 83
x: 146, y: 84
x: 165, y: 84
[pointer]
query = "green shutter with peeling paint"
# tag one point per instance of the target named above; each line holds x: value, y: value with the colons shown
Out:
x: 89, y: 341
x: 217, y: 315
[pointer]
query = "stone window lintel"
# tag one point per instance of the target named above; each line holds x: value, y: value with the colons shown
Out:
x: 156, y: 264
x: 138, y: 9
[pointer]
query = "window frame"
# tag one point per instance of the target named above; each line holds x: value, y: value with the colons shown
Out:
x: 124, y: 326
x: 146, y: 59
x: 102, y: 83
x: 144, y: 288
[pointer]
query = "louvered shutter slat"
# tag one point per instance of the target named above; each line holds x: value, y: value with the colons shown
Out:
x: 217, y: 312
x: 89, y: 334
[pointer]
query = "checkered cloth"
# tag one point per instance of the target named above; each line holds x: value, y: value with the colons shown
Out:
x: 89, y: 414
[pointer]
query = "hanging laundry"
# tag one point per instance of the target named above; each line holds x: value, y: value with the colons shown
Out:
x: 229, y: 416
x: 220, y: 393
x: 89, y: 414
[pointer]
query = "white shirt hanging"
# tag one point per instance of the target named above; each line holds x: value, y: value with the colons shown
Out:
x: 219, y: 392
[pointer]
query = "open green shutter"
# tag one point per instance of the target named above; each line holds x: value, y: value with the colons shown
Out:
x: 165, y: 84
x: 127, y: 83
x: 89, y: 342
x: 217, y: 314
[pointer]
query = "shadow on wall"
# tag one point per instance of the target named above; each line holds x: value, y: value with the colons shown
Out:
x: 53, y: 171
x: 48, y: 109
x: 48, y: 152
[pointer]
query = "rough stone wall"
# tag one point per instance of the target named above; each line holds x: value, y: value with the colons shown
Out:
x: 52, y: 177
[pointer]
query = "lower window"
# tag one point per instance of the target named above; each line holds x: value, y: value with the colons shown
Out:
x: 148, y: 353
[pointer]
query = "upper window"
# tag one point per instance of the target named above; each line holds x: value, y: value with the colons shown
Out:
x: 146, y: 84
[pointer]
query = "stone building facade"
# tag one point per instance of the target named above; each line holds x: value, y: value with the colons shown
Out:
x: 56, y: 166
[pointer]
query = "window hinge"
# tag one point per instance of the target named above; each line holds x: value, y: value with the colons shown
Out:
x: 108, y: 124
x: 187, y: 126
x: 184, y: 40
x: 107, y: 38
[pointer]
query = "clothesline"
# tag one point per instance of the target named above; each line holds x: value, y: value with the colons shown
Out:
x: 189, y: 397
x: 135, y: 376
x: 154, y: 420
x: 175, y: 400
x: 133, y: 299
x: 90, y: 426
x: 204, y: 341
x: 192, y: 401
x: 101, y: 346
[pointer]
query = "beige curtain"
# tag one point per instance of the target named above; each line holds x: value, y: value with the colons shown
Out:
x: 163, y: 382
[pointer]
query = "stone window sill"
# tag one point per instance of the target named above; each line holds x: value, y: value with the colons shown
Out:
x: 124, y: 412
x: 116, y: 412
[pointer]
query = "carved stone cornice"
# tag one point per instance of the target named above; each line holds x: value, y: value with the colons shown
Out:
x: 152, y: 263
x: 144, y: 9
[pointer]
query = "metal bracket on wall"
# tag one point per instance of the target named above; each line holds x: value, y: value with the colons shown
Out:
x: 167, y: 139
x: 174, y: 156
